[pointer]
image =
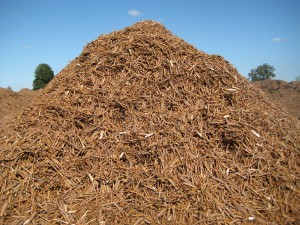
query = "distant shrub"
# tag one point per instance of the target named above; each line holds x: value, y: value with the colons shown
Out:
x: 297, y: 78
x: 262, y: 72
x: 43, y: 75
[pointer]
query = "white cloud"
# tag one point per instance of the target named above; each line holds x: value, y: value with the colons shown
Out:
x: 26, y: 46
x: 284, y: 64
x: 134, y: 12
x: 277, y: 39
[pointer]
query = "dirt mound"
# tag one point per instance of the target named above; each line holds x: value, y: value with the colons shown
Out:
x: 12, y: 103
x: 142, y: 128
x: 283, y: 93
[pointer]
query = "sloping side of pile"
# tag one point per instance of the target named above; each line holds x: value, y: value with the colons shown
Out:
x: 142, y: 128
x: 284, y: 93
x: 12, y: 104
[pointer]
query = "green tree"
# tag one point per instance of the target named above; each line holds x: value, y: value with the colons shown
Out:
x: 297, y: 78
x: 262, y: 72
x: 43, y: 75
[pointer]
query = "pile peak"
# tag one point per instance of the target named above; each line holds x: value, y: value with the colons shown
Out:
x: 143, y: 128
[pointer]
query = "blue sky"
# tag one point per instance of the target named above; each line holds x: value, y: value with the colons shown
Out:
x: 246, y: 33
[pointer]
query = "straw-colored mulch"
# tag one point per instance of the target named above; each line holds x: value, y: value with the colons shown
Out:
x: 142, y: 128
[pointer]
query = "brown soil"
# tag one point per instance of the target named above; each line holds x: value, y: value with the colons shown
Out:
x: 283, y: 93
x: 12, y: 104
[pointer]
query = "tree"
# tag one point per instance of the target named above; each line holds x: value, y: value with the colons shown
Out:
x: 262, y: 72
x: 43, y: 75
x: 297, y: 78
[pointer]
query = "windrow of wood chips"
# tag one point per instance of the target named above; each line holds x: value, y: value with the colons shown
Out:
x: 142, y: 128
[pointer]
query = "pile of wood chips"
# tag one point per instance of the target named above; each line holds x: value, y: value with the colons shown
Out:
x: 12, y: 104
x: 142, y: 128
